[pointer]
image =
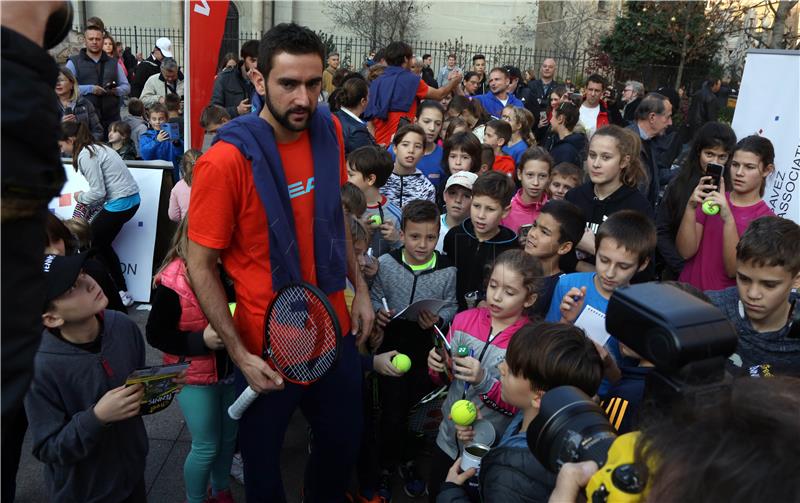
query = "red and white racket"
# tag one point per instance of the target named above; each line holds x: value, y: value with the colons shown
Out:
x: 301, y: 339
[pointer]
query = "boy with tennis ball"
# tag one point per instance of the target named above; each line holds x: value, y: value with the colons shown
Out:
x: 84, y: 422
x: 414, y: 272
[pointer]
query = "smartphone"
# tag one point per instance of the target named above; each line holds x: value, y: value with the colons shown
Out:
x: 69, y: 111
x: 172, y: 130
x: 715, y: 170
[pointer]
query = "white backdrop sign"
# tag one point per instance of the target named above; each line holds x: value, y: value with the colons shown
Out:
x: 769, y: 105
x: 135, y: 244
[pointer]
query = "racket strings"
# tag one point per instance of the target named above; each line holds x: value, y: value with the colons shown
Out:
x: 302, y: 335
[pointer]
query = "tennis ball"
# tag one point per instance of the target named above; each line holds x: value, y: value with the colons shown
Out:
x: 376, y: 219
x: 232, y: 307
x: 463, y: 412
x: 401, y: 362
x: 709, y: 208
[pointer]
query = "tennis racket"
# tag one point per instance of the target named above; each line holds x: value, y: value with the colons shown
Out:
x: 301, y: 339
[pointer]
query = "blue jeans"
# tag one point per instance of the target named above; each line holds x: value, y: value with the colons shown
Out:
x: 205, y: 409
x: 332, y: 406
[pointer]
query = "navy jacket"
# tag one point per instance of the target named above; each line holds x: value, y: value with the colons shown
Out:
x: 570, y: 149
x: 355, y: 133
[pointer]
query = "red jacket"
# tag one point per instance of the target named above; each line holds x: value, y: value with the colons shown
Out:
x: 202, y: 369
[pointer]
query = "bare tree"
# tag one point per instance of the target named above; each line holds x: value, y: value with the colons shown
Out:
x: 380, y: 21
x: 775, y: 34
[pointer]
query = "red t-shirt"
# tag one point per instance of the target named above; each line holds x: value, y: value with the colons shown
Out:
x: 502, y: 163
x: 384, y: 129
x: 226, y: 214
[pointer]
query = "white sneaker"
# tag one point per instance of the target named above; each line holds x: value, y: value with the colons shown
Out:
x: 127, y: 300
x: 237, y: 468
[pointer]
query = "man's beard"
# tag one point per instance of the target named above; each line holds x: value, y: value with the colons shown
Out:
x: 283, y: 118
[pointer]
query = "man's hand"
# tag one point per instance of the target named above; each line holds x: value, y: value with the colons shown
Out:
x: 362, y: 317
x: 119, y: 403
x: 260, y: 376
x: 98, y: 91
x: 572, y: 477
x: 243, y: 107
x: 456, y: 476
x: 69, y: 118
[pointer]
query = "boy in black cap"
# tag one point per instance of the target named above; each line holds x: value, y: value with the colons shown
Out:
x: 84, y: 422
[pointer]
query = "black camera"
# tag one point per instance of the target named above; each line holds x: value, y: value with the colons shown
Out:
x: 110, y: 85
x: 688, y: 341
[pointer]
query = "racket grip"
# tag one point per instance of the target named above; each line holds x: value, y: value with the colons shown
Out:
x: 241, y: 404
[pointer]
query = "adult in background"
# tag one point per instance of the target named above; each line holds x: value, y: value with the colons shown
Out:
x: 291, y: 141
x: 73, y: 106
x: 101, y: 79
x: 395, y: 93
x: 704, y: 106
x: 518, y: 89
x: 632, y: 95
x: 328, y: 74
x: 543, y: 87
x: 479, y: 67
x: 32, y: 175
x: 158, y: 86
x: 499, y: 95
x: 471, y: 84
x: 653, y: 117
x: 427, y: 71
x: 150, y: 66
x: 445, y: 71
x: 351, y: 99
x: 232, y: 87
x: 594, y: 111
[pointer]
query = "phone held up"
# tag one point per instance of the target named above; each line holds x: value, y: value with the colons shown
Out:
x: 715, y: 170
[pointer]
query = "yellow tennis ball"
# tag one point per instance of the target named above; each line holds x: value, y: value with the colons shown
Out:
x: 463, y: 412
x: 376, y: 219
x: 401, y: 362
x: 232, y: 307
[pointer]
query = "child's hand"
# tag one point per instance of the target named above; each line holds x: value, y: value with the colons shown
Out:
x: 389, y: 232
x: 382, y: 364
x: 212, y: 339
x: 376, y: 338
x: 119, y: 404
x: 718, y: 198
x: 456, y: 476
x: 427, y: 319
x: 383, y: 317
x: 69, y: 118
x: 435, y: 361
x: 701, y: 192
x: 468, y: 369
x: 370, y: 268
x: 162, y: 136
x: 572, y: 304
x: 465, y: 434
x: 610, y: 369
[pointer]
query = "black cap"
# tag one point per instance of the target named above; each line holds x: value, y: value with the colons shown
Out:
x: 60, y: 273
x: 513, y: 72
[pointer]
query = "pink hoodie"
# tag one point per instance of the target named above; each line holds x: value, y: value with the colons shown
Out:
x: 521, y: 213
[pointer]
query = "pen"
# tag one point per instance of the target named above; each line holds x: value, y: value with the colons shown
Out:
x: 369, y: 252
x: 385, y: 305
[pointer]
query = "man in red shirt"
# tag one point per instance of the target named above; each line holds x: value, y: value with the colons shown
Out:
x: 396, y: 93
x: 228, y: 221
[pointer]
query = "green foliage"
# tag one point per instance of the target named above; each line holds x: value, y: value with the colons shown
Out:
x: 654, y: 33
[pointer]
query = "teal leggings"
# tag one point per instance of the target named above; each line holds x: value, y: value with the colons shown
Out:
x: 213, y: 438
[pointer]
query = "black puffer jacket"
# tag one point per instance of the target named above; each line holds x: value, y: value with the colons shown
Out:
x: 230, y: 88
x: 144, y: 71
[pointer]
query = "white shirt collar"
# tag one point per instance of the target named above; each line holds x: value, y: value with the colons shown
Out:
x: 351, y: 114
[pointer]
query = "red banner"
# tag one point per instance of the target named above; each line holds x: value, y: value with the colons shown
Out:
x: 206, y: 27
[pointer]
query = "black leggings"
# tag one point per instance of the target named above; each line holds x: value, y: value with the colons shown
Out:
x: 105, y: 228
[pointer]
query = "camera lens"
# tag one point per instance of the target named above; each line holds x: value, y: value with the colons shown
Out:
x: 569, y: 428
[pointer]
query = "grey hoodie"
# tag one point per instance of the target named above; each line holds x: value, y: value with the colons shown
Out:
x: 86, y: 461
x: 138, y: 126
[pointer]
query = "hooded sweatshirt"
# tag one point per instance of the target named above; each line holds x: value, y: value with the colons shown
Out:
x: 523, y: 213
x: 569, y: 149
x: 473, y: 257
x: 85, y: 460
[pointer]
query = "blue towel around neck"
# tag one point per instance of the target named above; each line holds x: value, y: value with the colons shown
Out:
x: 393, y: 91
x: 255, y: 139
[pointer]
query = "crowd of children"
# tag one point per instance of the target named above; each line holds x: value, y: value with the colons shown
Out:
x: 519, y: 247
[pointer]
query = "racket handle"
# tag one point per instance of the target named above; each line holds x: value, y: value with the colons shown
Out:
x: 241, y: 404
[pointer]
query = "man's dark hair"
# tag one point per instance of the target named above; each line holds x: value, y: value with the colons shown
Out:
x: 501, y: 128
x: 249, y: 49
x: 426, y: 56
x: 652, y: 103
x: 213, y: 114
x: 477, y: 57
x: 549, y: 355
x: 571, y: 114
x: 496, y: 185
x: 93, y: 27
x: 372, y: 160
x: 379, y: 55
x: 420, y: 211
x: 570, y: 218
x: 452, y: 55
x: 290, y: 38
x: 136, y: 107
x: 771, y: 242
x: 96, y: 23
x: 597, y: 79
x: 632, y: 230
x: 396, y: 53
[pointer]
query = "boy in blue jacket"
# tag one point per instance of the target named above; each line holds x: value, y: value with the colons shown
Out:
x: 157, y: 144
x: 84, y: 422
x: 540, y: 357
